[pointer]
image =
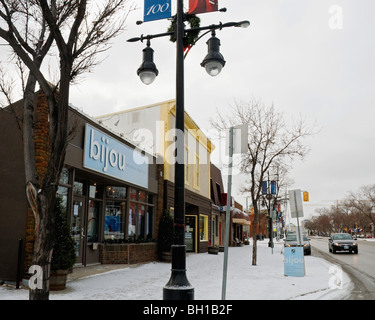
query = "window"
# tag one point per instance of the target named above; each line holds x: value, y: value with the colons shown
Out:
x: 203, y: 227
x: 114, y: 220
x: 62, y: 197
x: 132, y: 217
x: 186, y: 162
x: 116, y: 192
x: 196, y: 173
x: 218, y: 189
x: 78, y: 188
x: 64, y: 176
x: 115, y: 213
x: 141, y: 215
x: 96, y: 191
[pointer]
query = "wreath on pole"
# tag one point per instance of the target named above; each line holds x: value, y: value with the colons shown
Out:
x: 192, y: 36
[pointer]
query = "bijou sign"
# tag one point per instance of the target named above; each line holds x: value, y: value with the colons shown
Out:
x: 108, y: 156
x: 294, y: 262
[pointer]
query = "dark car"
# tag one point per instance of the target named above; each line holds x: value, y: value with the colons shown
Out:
x: 342, y: 242
x: 292, y: 241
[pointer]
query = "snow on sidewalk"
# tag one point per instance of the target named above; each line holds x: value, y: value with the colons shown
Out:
x: 265, y: 281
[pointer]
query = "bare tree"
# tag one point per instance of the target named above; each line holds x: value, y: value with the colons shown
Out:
x: 364, y: 203
x: 270, y: 140
x: 80, y: 29
x: 320, y: 224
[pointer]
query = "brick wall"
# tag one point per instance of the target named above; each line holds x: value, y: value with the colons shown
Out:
x: 41, y: 141
x: 128, y: 253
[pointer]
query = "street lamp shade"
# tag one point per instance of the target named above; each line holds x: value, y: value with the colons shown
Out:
x: 214, y: 60
x: 147, y: 72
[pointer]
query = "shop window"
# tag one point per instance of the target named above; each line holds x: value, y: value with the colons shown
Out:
x: 62, y: 196
x: 64, y: 176
x: 114, y: 220
x: 132, y: 219
x: 78, y: 188
x: 203, y: 228
x: 133, y: 194
x: 141, y: 215
x: 142, y: 196
x: 96, y: 191
x: 141, y: 220
x: 116, y: 192
x: 149, y: 222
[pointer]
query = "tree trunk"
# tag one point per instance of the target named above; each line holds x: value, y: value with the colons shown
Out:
x: 43, y: 208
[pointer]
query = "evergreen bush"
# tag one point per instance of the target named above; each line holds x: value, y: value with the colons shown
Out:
x: 64, y: 253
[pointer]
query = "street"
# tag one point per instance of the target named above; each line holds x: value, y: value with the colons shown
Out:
x: 360, y: 267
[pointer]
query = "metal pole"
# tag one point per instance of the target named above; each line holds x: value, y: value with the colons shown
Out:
x: 270, y: 229
x: 227, y: 216
x: 19, y: 262
x: 178, y: 286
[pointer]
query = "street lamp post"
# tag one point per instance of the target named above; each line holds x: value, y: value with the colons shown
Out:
x: 178, y: 286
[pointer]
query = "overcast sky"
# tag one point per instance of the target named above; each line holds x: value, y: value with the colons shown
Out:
x: 313, y: 58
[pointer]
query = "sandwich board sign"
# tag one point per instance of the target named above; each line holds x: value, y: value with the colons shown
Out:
x: 294, y: 262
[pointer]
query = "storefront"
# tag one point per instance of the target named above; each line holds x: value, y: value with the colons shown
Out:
x: 111, y: 194
x: 240, y: 224
x: 197, y: 217
x: 108, y: 189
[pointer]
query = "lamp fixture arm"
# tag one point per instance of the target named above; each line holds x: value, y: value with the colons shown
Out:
x: 219, y: 26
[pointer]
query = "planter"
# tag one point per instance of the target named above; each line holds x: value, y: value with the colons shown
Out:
x: 213, y: 250
x: 166, y: 256
x: 246, y: 242
x: 57, y: 280
x: 221, y: 249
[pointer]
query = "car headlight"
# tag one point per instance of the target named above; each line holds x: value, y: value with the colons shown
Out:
x: 336, y: 244
x: 354, y: 244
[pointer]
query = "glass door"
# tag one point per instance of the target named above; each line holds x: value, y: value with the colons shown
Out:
x: 190, y: 233
x: 78, y: 228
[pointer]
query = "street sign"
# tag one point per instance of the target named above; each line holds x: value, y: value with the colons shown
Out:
x: 295, y: 202
x: 294, y: 262
x: 157, y: 9
x: 239, y: 139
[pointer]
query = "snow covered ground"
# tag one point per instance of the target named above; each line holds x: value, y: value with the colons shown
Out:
x: 265, y: 281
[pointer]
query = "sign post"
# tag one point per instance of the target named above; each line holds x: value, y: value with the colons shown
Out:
x: 296, y: 209
x: 237, y: 140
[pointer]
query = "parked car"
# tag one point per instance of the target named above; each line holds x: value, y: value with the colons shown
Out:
x: 292, y: 241
x: 342, y: 242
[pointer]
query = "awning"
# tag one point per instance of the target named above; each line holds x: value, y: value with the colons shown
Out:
x: 240, y: 217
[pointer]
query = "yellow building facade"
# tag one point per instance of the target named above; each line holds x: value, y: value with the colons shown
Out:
x: 152, y: 128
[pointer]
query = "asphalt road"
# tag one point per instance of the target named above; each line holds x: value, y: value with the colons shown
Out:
x: 359, y: 267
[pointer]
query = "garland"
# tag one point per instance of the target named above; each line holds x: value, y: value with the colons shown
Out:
x: 192, y: 36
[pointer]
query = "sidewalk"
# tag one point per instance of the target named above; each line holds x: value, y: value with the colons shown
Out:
x: 265, y: 281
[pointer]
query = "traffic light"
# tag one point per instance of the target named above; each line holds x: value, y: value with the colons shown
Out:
x: 305, y: 196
